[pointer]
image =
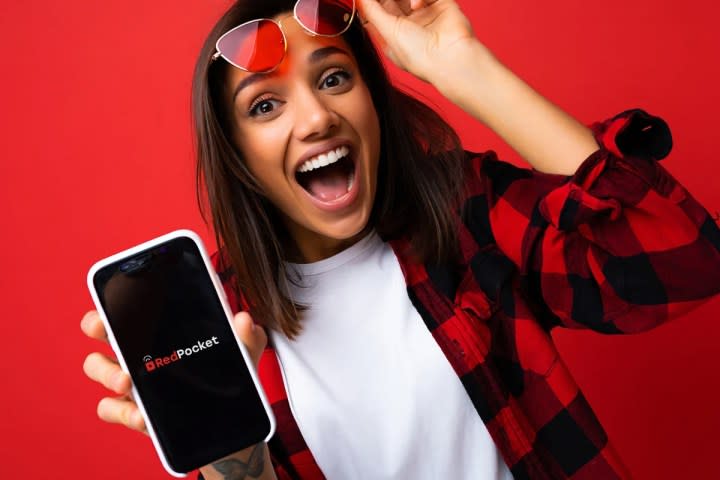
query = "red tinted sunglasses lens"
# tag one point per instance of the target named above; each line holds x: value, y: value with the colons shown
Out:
x: 257, y: 46
x: 325, y: 17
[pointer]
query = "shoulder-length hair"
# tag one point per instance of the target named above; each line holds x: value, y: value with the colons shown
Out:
x: 419, y: 176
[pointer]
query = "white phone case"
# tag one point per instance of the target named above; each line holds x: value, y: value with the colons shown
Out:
x: 228, y: 313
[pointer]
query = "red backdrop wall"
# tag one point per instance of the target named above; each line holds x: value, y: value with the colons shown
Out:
x: 95, y: 155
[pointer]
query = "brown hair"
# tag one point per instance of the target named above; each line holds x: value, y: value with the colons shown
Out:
x: 419, y: 175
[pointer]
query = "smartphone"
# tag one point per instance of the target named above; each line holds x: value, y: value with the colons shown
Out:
x: 169, y: 323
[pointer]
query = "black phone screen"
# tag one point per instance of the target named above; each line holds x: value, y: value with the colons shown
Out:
x: 183, y: 359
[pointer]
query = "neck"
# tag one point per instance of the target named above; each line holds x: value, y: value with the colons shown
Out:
x: 310, y: 247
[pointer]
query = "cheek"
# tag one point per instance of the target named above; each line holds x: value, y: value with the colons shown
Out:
x: 263, y: 151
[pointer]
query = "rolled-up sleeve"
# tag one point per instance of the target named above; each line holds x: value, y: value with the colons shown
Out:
x: 620, y: 246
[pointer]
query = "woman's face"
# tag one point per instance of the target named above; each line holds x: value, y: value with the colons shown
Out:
x: 310, y: 134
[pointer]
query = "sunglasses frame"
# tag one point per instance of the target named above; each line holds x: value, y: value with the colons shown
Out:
x: 218, y: 53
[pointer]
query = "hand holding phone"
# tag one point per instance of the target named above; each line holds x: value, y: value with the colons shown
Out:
x: 192, y: 379
x: 106, y: 371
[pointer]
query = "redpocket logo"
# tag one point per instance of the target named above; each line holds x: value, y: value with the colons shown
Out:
x: 152, y: 364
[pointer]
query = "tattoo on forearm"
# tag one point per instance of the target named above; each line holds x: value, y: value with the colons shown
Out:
x: 233, y: 469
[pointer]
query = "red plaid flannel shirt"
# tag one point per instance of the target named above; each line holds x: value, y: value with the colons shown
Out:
x: 618, y: 247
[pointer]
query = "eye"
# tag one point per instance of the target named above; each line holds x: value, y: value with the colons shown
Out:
x: 262, y: 106
x: 335, y: 78
x: 265, y: 104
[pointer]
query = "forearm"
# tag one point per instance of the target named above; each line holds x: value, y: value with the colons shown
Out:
x: 251, y: 463
x: 544, y: 135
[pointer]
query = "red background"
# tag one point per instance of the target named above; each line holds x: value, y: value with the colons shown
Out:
x: 95, y: 156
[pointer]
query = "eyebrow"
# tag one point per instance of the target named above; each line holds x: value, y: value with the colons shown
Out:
x: 313, y: 58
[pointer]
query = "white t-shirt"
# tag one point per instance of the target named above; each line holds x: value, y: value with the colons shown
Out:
x: 371, y: 391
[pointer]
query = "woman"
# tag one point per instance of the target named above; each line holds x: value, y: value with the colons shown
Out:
x: 406, y: 288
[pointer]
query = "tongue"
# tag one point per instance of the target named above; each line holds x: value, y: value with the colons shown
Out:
x: 328, y: 183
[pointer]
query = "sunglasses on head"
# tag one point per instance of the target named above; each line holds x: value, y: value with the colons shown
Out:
x: 259, y: 45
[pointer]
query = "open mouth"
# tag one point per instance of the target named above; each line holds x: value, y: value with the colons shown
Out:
x: 328, y: 177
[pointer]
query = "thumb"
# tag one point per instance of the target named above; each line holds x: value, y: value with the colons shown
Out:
x: 377, y: 17
x: 253, y: 336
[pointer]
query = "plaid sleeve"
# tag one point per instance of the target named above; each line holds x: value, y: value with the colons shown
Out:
x: 620, y: 246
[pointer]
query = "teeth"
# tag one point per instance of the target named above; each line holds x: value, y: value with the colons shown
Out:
x: 324, y: 159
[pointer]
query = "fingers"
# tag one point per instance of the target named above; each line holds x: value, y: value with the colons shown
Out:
x: 92, y: 326
x: 416, y: 4
x: 395, y: 7
x: 122, y: 411
x: 384, y: 19
x: 378, y: 21
x: 376, y: 14
x: 106, y: 372
x: 253, y: 336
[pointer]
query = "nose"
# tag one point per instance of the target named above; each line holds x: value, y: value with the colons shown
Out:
x: 314, y: 116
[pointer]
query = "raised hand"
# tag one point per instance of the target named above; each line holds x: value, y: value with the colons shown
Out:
x: 418, y: 35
